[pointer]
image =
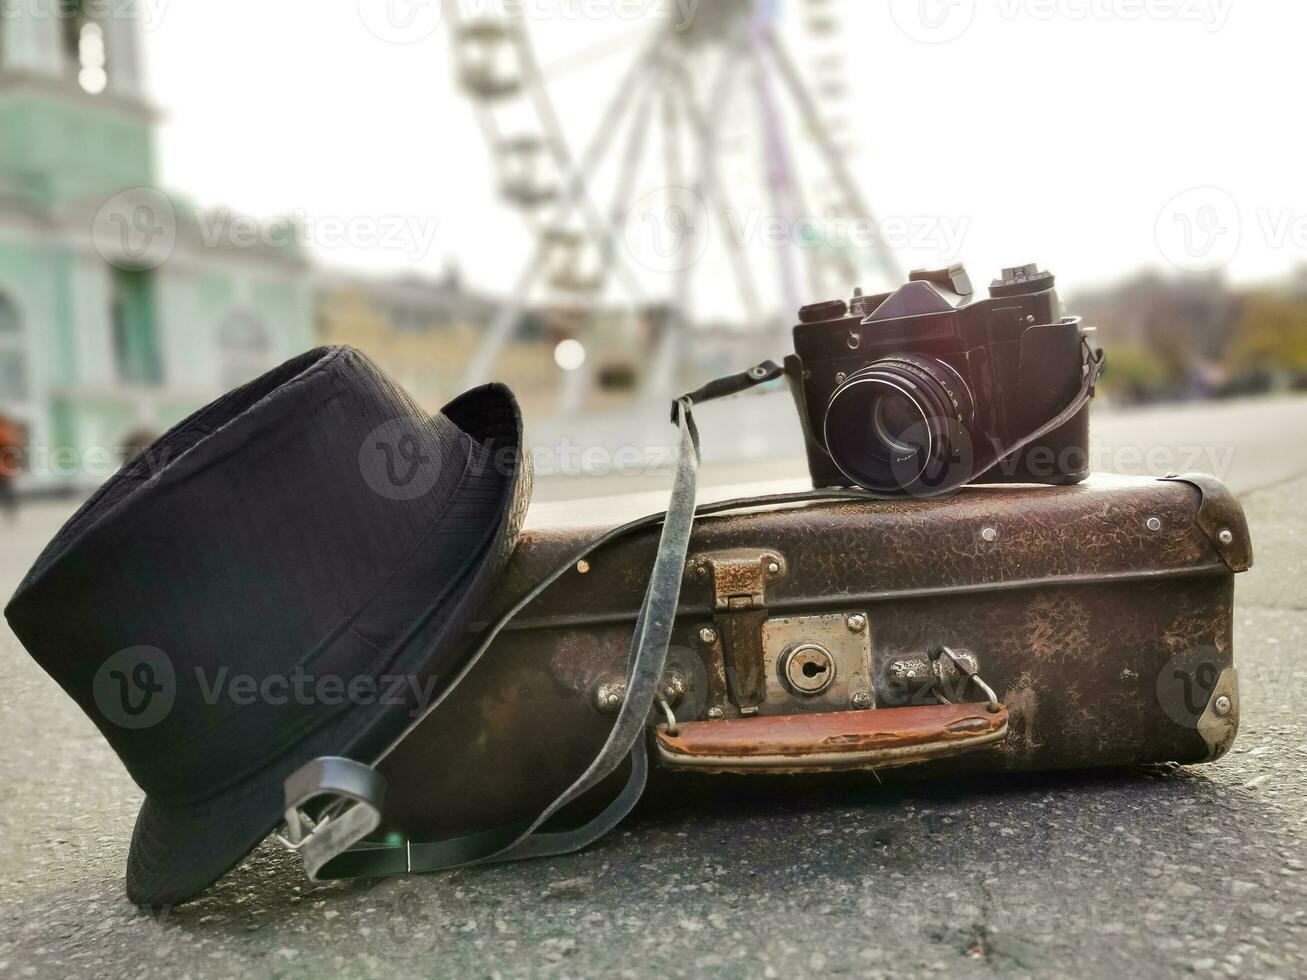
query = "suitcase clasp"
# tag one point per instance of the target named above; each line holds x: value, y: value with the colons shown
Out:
x: 739, y: 579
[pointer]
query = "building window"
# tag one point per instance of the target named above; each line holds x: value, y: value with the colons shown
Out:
x: 13, y: 353
x: 135, y: 327
x: 84, y: 47
x: 245, y: 348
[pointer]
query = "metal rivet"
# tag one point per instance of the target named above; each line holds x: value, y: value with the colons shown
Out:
x: 610, y: 695
x: 1222, y: 706
x: 1226, y: 536
x: 773, y: 568
x: 1153, y: 524
x: 583, y: 566
x: 716, y: 713
x: 861, y: 699
x: 857, y: 622
x: 839, y: 378
x: 989, y: 534
x: 708, y: 635
x: 855, y: 341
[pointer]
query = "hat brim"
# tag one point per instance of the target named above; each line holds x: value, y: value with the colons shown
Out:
x: 179, y: 851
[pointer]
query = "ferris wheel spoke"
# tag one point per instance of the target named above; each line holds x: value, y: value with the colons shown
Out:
x: 593, y: 55
x: 708, y: 182
x: 505, y: 323
x: 777, y: 167
x: 834, y: 159
x: 580, y: 197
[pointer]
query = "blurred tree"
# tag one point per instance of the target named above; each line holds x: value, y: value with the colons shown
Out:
x: 1135, y: 374
x: 1270, y: 336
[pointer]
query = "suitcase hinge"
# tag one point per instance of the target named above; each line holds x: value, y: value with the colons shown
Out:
x: 739, y: 580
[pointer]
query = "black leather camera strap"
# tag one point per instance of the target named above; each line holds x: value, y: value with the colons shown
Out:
x: 333, y: 856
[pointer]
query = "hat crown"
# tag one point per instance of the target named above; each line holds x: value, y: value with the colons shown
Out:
x: 215, y: 599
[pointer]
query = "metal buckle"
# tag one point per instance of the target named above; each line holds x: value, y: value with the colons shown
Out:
x: 353, y: 814
x: 965, y: 668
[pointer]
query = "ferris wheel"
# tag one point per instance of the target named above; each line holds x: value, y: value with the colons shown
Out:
x: 709, y: 150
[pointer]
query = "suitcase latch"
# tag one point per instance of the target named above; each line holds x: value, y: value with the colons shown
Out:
x: 739, y: 579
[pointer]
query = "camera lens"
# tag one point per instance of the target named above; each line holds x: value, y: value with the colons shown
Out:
x: 899, y: 425
x: 893, y: 420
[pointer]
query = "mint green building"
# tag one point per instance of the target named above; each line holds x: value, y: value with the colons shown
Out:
x: 121, y: 308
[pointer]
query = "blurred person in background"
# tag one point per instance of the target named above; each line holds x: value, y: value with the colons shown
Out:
x: 12, y: 440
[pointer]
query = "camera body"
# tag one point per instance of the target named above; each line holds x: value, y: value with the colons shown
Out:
x: 930, y: 386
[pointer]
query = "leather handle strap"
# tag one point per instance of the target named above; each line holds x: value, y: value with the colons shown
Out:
x: 867, y: 739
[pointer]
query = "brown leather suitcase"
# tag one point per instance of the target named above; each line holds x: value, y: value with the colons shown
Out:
x: 1000, y: 629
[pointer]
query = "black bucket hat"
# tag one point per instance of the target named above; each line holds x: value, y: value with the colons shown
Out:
x: 289, y: 573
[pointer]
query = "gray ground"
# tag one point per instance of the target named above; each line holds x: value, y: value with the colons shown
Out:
x: 1163, y: 871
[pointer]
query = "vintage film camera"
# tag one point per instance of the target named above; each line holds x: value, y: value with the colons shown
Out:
x: 930, y: 387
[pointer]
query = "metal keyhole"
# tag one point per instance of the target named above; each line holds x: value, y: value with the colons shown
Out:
x: 807, y: 669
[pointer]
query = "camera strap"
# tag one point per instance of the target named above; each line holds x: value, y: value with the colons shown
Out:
x: 342, y: 850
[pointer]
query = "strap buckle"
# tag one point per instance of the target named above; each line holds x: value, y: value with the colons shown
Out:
x: 354, y: 813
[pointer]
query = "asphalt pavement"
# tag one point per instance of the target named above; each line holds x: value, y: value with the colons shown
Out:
x: 1158, y: 871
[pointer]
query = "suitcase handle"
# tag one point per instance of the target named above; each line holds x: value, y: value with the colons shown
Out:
x: 870, y: 739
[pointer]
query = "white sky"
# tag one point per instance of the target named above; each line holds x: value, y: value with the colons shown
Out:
x: 1057, y: 130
